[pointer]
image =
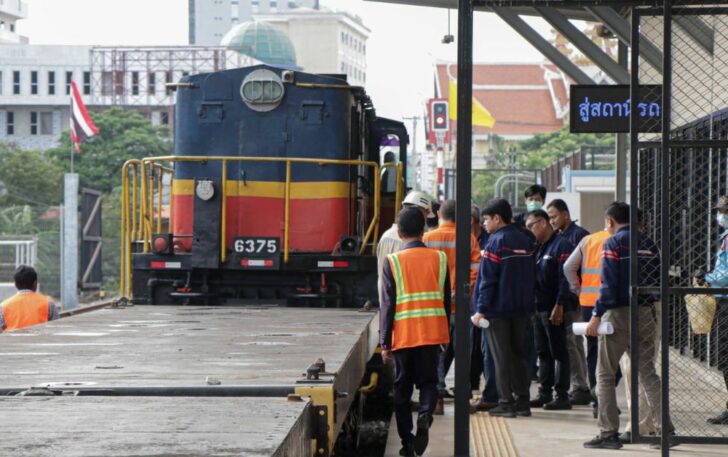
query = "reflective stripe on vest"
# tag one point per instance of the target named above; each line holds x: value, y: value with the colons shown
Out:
x: 591, y: 263
x: 419, y: 318
x: 25, y: 310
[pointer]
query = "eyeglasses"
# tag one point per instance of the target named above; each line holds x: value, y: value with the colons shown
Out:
x: 530, y: 226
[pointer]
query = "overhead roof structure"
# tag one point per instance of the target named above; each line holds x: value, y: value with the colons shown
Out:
x: 613, y: 14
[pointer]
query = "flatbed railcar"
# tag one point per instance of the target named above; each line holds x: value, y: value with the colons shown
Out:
x: 184, y: 381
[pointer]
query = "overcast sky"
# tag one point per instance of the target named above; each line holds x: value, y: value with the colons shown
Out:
x: 401, y: 51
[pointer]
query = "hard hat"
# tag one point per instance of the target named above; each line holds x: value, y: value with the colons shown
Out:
x: 419, y: 199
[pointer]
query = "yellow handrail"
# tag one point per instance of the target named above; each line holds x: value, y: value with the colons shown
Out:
x: 140, y: 227
x: 128, y: 227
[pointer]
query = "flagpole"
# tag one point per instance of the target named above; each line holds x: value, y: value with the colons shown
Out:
x: 72, y: 153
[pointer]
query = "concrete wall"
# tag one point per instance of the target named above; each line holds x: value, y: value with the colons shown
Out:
x: 22, y: 121
x: 325, y: 42
x: 212, y: 19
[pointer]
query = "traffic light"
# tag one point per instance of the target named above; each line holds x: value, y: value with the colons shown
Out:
x: 440, y: 121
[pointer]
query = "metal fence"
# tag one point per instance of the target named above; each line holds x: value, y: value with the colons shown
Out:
x: 507, y: 183
x: 38, y: 223
x: 679, y: 176
x: 587, y: 157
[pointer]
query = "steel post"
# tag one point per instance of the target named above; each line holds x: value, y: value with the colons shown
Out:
x: 69, y: 262
x: 665, y: 222
x: 633, y: 233
x: 462, y: 228
x: 620, y: 187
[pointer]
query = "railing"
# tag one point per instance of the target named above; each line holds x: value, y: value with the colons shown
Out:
x: 587, y: 157
x: 15, y: 251
x: 139, y: 178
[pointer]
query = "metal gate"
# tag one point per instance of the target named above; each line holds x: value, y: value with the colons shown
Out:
x: 91, y: 240
x: 678, y: 175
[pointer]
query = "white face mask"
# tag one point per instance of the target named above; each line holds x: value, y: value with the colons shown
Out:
x: 722, y: 219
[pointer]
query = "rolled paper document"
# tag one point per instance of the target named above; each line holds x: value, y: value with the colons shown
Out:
x: 483, y: 322
x: 605, y: 328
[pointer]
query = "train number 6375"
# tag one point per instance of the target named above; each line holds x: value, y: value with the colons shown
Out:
x: 259, y: 246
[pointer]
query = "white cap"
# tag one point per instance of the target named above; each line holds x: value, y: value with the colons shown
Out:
x: 420, y: 199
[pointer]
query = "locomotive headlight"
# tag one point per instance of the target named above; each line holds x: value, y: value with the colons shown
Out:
x: 205, y: 189
x: 262, y: 90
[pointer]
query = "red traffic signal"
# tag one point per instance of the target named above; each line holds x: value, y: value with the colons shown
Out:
x: 440, y: 121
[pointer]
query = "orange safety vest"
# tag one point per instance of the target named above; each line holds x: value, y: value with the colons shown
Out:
x: 443, y: 239
x: 419, y: 316
x: 591, y: 263
x: 25, y: 310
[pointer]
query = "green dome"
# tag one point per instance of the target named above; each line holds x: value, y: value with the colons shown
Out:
x: 261, y: 41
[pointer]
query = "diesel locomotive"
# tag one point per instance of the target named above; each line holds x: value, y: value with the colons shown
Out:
x: 280, y: 184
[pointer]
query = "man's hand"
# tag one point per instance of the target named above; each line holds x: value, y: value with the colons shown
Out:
x: 557, y: 315
x: 476, y: 319
x: 592, y: 328
x: 387, y: 356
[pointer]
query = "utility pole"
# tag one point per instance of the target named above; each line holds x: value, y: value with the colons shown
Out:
x: 414, y: 120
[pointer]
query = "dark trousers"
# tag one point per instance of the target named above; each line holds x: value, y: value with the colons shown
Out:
x: 553, y: 356
x: 506, y: 338
x: 591, y: 349
x: 414, y: 367
x: 476, y: 357
x: 490, y: 391
x: 446, y: 358
x: 530, y: 348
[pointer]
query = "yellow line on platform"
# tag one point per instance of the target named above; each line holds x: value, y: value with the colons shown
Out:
x: 491, y: 437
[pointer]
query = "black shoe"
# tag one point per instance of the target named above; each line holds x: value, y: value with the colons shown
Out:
x: 560, y: 404
x: 503, y: 410
x: 422, y: 438
x: 580, y: 397
x: 407, y: 450
x: 625, y: 438
x: 670, y: 442
x: 522, y: 408
x: 720, y: 419
x: 445, y: 394
x: 539, y: 401
x: 600, y: 442
x: 408, y: 447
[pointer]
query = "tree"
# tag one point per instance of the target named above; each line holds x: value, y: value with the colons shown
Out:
x: 123, y: 135
x: 28, y: 178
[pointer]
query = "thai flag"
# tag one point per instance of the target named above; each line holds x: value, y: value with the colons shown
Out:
x: 82, y: 127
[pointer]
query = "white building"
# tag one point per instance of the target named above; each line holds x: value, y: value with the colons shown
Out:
x: 10, y: 12
x: 210, y: 20
x: 35, y: 83
x: 325, y: 41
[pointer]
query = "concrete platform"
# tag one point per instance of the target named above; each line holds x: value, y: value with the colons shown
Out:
x: 547, y: 434
x: 144, y: 346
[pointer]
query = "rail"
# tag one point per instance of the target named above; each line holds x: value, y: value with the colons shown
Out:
x: 139, y: 178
